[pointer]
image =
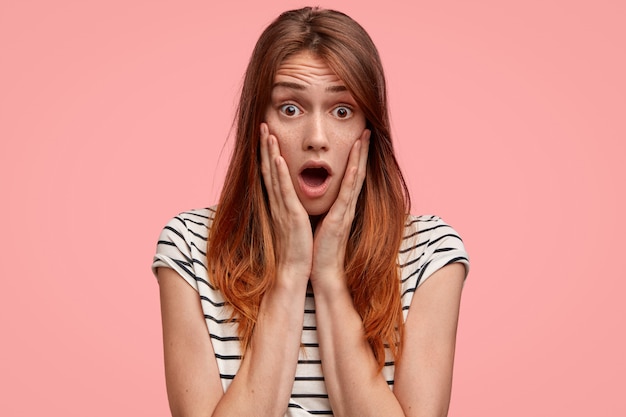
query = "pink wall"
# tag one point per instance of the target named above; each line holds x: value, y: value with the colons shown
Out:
x: 509, y: 121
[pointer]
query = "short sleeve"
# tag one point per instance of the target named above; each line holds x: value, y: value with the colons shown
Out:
x: 428, y: 245
x: 174, y: 250
x: 444, y: 247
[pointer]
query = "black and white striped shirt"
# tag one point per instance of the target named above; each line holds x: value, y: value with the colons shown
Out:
x: 428, y: 245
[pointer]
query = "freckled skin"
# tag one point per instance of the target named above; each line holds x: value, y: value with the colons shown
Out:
x: 314, y: 118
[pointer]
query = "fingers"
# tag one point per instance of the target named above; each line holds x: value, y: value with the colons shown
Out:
x: 267, y: 165
x: 358, y: 161
x: 353, y: 178
x: 280, y: 189
x: 361, y: 168
x: 365, y: 141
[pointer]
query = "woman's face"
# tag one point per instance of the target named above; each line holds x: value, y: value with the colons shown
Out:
x: 316, y: 121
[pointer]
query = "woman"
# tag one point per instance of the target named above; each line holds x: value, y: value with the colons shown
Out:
x: 296, y: 288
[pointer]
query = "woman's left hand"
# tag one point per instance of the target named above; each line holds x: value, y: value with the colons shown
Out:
x: 333, y: 230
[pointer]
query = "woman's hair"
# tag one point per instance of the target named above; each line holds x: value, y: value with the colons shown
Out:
x: 240, y: 255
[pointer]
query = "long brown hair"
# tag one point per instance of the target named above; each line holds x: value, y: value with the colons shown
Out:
x: 241, y: 258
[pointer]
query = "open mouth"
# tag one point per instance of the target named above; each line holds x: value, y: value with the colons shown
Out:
x: 314, y: 177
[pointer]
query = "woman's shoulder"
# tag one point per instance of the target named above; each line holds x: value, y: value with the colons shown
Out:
x: 427, y: 226
x: 182, y: 244
x: 203, y: 216
x: 429, y: 239
x: 195, y: 221
x: 188, y: 229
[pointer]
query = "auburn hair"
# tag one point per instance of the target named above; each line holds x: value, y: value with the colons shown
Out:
x: 240, y: 254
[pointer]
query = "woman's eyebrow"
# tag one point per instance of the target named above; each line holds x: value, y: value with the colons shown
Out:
x: 295, y: 86
x: 336, y: 88
x: 286, y: 84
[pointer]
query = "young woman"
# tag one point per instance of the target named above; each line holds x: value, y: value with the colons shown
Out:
x: 309, y: 289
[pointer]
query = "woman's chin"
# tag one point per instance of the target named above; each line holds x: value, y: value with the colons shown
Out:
x: 316, y: 209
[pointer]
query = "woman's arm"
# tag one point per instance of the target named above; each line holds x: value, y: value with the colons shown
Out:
x: 423, y: 379
x: 191, y: 374
x: 423, y: 376
x: 264, y: 381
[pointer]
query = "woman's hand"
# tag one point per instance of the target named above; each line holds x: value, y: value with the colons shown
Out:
x: 333, y: 230
x: 292, y: 227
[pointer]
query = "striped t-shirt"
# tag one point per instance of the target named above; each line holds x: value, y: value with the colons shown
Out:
x: 428, y: 245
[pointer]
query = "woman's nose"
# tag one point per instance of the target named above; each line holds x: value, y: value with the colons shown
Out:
x: 315, y: 136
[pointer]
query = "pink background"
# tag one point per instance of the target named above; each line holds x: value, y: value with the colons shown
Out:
x: 509, y: 119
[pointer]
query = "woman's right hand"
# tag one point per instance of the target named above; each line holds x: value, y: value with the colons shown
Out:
x: 292, y: 227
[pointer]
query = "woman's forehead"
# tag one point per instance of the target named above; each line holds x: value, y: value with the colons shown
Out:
x: 306, y: 67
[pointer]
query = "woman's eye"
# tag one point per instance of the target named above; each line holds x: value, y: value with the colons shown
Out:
x: 290, y: 110
x: 342, y: 112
